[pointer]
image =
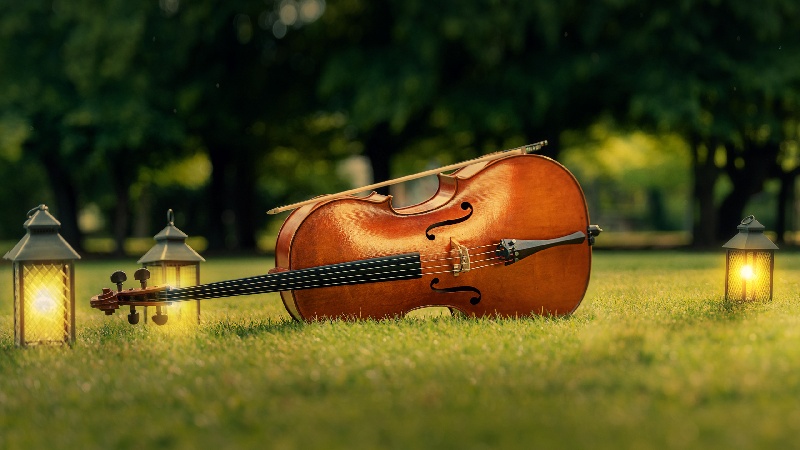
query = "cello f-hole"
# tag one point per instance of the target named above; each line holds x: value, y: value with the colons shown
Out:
x: 465, y: 206
x: 472, y: 301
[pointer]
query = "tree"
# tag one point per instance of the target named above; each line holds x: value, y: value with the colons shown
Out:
x: 726, y: 76
x: 489, y: 74
x: 109, y: 90
x: 247, y: 76
x: 79, y: 83
x: 103, y: 92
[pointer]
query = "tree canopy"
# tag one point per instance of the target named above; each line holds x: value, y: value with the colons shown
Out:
x: 100, y: 99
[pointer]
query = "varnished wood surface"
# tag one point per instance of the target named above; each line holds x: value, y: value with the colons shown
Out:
x: 520, y: 197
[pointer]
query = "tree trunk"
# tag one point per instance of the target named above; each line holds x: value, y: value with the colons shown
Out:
x: 66, y: 198
x: 731, y: 211
x: 380, y: 146
x: 705, y: 174
x: 244, y: 200
x: 217, y: 196
x: 747, y: 181
x: 121, y: 213
x: 785, y: 204
x: 656, y: 210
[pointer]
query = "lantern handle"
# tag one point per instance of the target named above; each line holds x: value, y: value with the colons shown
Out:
x: 41, y: 207
x: 170, y: 217
x: 749, y: 219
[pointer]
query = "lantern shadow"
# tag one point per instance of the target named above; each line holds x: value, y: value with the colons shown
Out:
x: 732, y: 310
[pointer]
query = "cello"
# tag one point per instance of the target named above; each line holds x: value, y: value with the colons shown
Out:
x: 504, y: 235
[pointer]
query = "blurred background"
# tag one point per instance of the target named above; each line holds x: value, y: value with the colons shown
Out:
x: 677, y: 117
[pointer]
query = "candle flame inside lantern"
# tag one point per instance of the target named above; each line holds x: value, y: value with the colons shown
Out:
x: 182, y: 315
x: 747, y: 272
x: 46, y: 303
x: 43, y: 302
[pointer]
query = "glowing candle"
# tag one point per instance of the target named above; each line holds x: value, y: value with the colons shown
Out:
x: 44, y: 283
x: 747, y: 272
x: 749, y: 263
x: 173, y: 263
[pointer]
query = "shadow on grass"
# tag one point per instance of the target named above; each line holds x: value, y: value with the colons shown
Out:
x: 120, y: 333
x: 717, y: 310
x: 728, y: 310
x: 258, y: 327
x: 253, y: 327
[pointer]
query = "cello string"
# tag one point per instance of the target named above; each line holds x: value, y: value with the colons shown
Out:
x: 471, y: 269
x: 472, y: 261
x: 309, y: 273
x: 180, y: 296
x: 306, y: 274
x: 446, y: 252
x: 166, y: 296
x: 271, y: 279
x: 267, y: 280
x: 457, y: 257
x: 437, y: 254
x: 301, y: 281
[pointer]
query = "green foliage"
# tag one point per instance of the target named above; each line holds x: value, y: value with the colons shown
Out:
x: 23, y: 179
x: 719, y: 76
x: 488, y: 69
x: 653, y: 358
x: 103, y: 96
x: 631, y: 180
x: 13, y: 133
x: 108, y: 95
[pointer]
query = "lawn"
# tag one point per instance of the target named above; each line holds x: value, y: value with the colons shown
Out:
x: 653, y: 358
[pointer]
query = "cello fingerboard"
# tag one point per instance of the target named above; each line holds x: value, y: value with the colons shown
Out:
x: 387, y: 268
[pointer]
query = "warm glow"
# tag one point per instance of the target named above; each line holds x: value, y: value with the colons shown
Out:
x: 45, y: 304
x: 182, y: 315
x: 748, y: 275
x: 747, y: 272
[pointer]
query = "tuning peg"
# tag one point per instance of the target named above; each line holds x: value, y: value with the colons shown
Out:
x: 133, y: 317
x: 118, y: 278
x: 142, y: 275
x: 159, y: 318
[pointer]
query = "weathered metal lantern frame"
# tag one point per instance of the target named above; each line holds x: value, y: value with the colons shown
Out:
x: 173, y: 262
x: 44, y: 283
x: 749, y: 263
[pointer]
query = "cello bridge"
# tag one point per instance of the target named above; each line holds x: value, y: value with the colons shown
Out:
x: 460, y: 257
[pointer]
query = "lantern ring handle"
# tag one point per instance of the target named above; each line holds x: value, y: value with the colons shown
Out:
x: 170, y: 217
x: 41, y: 207
x: 747, y: 220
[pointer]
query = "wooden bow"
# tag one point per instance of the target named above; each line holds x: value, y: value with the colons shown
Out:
x: 525, y: 149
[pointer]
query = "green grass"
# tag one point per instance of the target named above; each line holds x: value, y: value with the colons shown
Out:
x: 653, y: 358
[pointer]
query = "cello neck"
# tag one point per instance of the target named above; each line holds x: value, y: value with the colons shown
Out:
x: 387, y: 268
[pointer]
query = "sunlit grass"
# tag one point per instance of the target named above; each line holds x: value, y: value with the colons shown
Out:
x: 653, y: 358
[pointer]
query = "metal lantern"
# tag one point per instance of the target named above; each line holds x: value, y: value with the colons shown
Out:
x: 749, y: 264
x: 44, y: 283
x: 172, y: 262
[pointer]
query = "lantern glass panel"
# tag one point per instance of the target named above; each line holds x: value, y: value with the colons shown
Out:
x: 177, y: 275
x: 42, y: 302
x: 749, y: 275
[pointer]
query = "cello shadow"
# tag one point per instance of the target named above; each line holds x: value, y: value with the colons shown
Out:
x: 253, y: 327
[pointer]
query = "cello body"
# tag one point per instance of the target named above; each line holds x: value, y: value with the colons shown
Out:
x: 521, y: 197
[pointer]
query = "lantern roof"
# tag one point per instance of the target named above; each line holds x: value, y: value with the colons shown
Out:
x: 42, y: 242
x: 170, y: 245
x: 750, y: 236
